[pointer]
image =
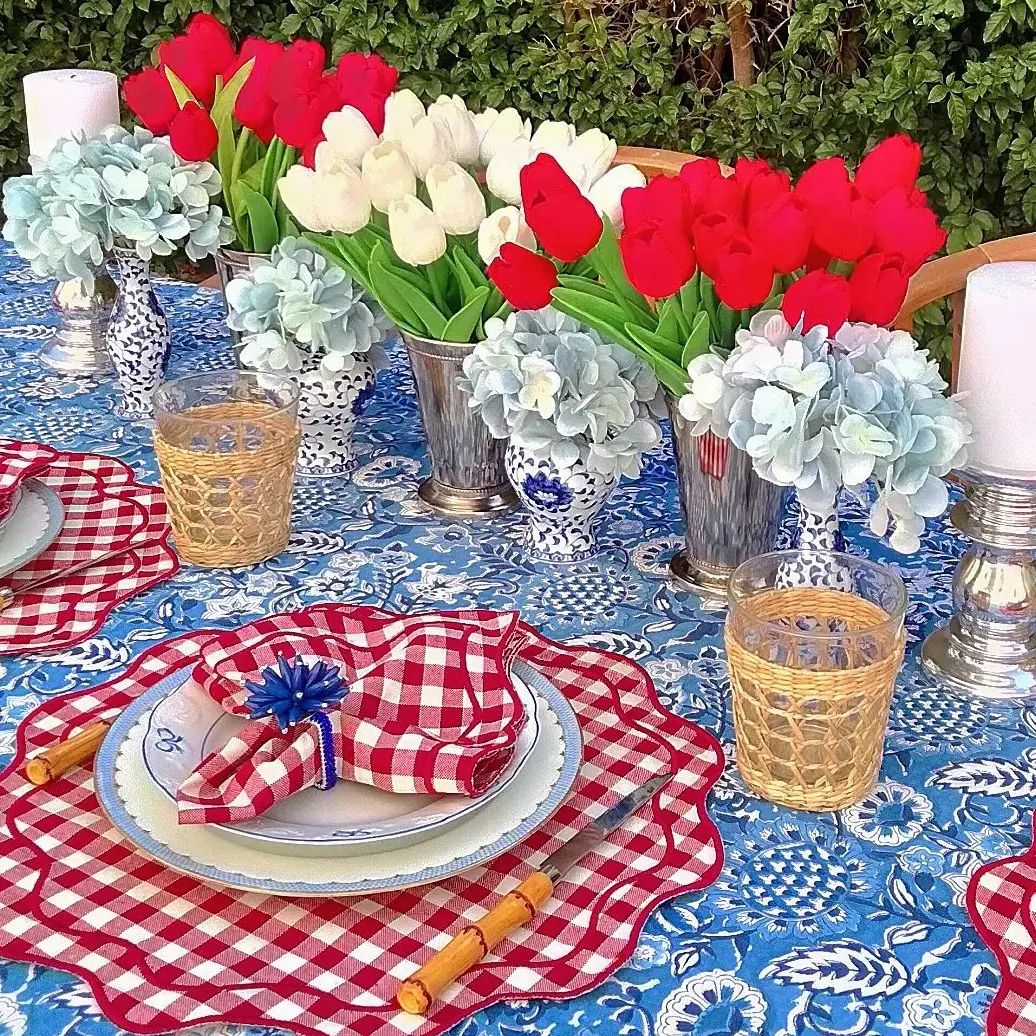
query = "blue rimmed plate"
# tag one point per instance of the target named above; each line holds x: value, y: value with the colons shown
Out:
x: 144, y: 813
x: 31, y: 527
x: 187, y: 725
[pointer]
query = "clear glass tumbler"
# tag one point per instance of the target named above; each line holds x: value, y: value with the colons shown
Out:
x: 227, y: 443
x: 812, y: 670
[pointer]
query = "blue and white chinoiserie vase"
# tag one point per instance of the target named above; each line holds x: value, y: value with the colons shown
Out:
x: 329, y: 407
x: 138, y: 336
x: 816, y: 536
x: 562, y: 503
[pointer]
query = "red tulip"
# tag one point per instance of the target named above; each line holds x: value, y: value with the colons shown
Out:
x: 565, y: 222
x: 818, y: 298
x: 709, y: 191
x: 698, y: 175
x: 299, y: 122
x: 764, y: 190
x: 744, y: 274
x: 658, y: 259
x: 211, y: 37
x: 524, y: 278
x: 254, y: 107
x: 712, y: 233
x: 911, y: 231
x: 365, y: 74
x: 193, y: 134
x: 150, y: 98
x: 188, y: 62
x: 784, y: 232
x: 298, y: 71
x: 663, y: 200
x: 894, y: 162
x: 825, y: 185
x: 878, y: 286
x: 845, y: 232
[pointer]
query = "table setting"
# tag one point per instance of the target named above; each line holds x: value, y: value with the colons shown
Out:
x: 519, y: 596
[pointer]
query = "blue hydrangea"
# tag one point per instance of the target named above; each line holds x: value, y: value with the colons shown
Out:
x: 298, y: 309
x: 124, y: 189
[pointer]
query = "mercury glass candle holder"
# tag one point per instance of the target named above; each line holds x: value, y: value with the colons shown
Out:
x: 988, y: 647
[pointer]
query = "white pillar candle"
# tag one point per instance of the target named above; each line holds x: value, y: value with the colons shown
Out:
x: 998, y: 366
x: 67, y: 101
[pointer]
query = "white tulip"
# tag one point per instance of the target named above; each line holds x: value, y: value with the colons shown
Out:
x: 387, y: 174
x: 298, y: 191
x: 553, y: 138
x: 402, y: 109
x: 456, y: 125
x: 607, y: 193
x: 483, y: 120
x: 506, y: 224
x: 504, y: 170
x: 424, y: 146
x: 343, y: 202
x: 588, y: 157
x: 503, y: 129
x: 349, y: 134
x: 417, y: 235
x: 457, y: 199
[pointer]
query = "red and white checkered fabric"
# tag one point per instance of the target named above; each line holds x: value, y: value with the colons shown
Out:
x: 1002, y: 902
x: 106, y: 509
x: 20, y: 460
x: 162, y: 951
x: 430, y: 707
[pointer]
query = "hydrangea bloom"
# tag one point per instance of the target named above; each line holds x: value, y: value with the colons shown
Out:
x: 121, y: 188
x: 298, y: 307
x: 547, y: 382
x: 820, y: 413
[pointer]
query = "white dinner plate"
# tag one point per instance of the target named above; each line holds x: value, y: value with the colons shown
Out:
x: 32, y: 526
x: 187, y: 725
x: 145, y: 815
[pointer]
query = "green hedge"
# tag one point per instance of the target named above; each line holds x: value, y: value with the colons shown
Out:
x: 834, y: 75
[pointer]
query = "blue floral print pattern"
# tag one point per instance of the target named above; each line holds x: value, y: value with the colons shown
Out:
x: 819, y: 925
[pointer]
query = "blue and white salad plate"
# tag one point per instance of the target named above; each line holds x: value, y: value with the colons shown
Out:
x: 31, y: 526
x: 142, y: 810
x: 187, y: 725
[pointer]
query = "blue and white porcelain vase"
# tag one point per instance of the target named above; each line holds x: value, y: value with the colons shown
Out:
x: 138, y: 336
x: 562, y: 503
x: 329, y: 407
x: 816, y: 536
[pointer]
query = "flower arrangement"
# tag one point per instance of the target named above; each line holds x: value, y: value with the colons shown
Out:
x: 821, y: 413
x: 415, y: 213
x: 121, y: 189
x: 298, y: 309
x: 544, y: 381
x: 682, y: 263
x: 256, y: 111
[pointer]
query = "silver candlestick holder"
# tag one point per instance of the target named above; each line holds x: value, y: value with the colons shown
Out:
x: 78, y: 346
x: 988, y: 648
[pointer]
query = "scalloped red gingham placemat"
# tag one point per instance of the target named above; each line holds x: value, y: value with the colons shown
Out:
x: 1002, y: 903
x: 162, y: 951
x: 106, y: 509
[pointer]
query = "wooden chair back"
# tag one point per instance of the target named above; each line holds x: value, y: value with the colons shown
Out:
x: 945, y: 278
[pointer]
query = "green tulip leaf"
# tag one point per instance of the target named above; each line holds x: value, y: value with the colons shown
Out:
x: 182, y: 94
x: 442, y: 284
x: 580, y: 306
x: 586, y: 285
x: 690, y: 298
x: 395, y: 300
x: 223, y: 107
x: 698, y: 341
x: 648, y: 347
x: 381, y: 252
x: 432, y: 322
x: 461, y: 326
x: 468, y: 287
x: 262, y: 220
x: 607, y: 260
x: 671, y: 322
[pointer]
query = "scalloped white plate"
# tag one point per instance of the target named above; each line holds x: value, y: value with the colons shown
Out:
x: 31, y: 527
x: 144, y: 814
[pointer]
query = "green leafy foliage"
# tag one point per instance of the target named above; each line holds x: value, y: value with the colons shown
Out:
x: 833, y: 76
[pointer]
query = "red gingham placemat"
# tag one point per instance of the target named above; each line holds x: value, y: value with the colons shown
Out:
x: 105, y: 509
x: 1002, y: 902
x: 162, y: 951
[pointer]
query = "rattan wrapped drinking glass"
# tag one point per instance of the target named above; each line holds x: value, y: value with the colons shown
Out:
x: 812, y: 671
x: 226, y: 445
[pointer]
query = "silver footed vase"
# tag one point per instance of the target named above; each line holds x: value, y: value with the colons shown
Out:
x: 138, y: 336
x: 730, y: 514
x: 231, y: 263
x: 468, y: 479
x: 78, y: 347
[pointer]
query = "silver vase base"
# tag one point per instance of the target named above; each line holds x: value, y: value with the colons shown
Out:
x: 709, y: 584
x: 75, y: 359
x: 943, y: 659
x: 452, y: 502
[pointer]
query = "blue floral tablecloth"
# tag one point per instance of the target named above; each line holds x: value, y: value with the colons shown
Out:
x: 835, y: 923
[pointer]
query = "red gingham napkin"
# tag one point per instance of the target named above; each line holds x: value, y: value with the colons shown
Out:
x: 105, y: 509
x: 429, y: 708
x: 162, y: 951
x: 1002, y: 902
x: 20, y: 460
